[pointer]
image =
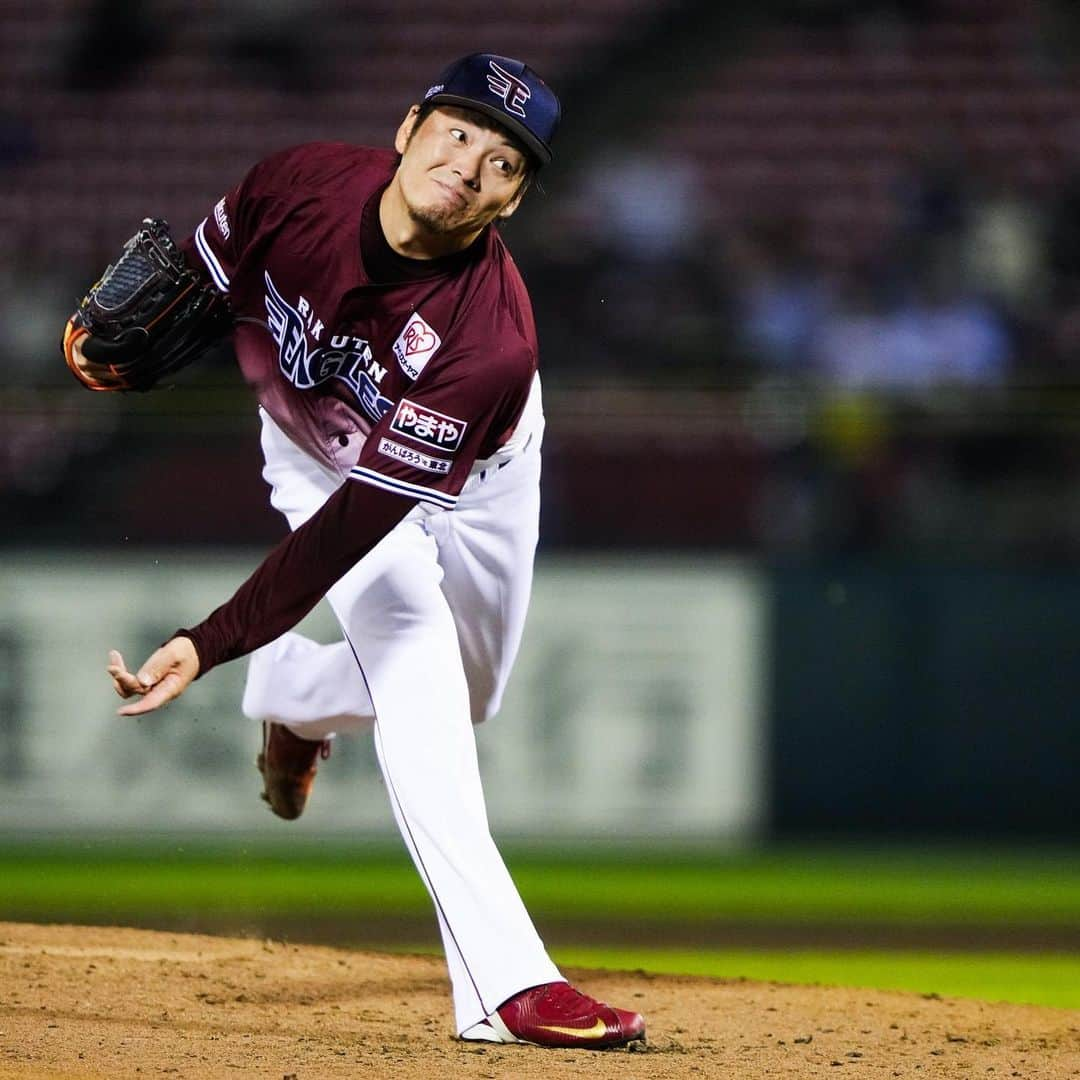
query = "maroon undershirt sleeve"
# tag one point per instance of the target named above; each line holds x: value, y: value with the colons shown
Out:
x: 294, y: 577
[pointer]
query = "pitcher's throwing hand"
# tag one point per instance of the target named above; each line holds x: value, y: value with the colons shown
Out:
x: 165, y: 676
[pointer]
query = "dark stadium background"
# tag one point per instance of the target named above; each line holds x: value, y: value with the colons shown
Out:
x: 807, y: 281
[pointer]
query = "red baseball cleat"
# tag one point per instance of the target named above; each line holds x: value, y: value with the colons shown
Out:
x: 288, y: 767
x: 556, y: 1014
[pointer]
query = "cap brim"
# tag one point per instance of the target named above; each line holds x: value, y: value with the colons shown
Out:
x: 535, y: 146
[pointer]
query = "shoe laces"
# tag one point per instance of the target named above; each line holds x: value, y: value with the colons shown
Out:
x: 569, y: 1003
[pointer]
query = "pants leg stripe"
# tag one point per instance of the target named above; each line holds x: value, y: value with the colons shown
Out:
x: 408, y: 834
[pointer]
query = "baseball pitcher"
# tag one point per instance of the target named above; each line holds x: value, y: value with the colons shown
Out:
x: 384, y: 328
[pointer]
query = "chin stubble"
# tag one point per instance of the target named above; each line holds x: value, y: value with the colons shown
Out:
x: 434, y: 220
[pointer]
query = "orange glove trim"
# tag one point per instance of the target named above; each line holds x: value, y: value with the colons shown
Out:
x: 73, y: 334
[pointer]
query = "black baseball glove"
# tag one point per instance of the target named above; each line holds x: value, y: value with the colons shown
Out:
x: 148, y: 316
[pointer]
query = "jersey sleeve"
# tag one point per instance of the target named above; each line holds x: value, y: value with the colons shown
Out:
x: 219, y: 241
x: 295, y: 576
x: 425, y: 447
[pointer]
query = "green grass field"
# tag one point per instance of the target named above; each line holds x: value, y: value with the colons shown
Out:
x: 1031, y: 978
x: 1005, y: 891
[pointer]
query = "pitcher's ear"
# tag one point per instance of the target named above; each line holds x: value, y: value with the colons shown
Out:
x: 405, y: 129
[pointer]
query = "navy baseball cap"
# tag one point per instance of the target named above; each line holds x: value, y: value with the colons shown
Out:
x: 506, y: 90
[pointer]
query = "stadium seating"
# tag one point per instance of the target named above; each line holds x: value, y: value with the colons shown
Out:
x: 828, y: 120
x: 213, y: 96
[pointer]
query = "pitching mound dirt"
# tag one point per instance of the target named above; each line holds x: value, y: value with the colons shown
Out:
x: 92, y: 1002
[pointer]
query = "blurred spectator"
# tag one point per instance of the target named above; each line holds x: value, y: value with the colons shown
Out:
x: 564, y: 261
x: 945, y: 334
x: 933, y: 203
x: 648, y: 206
x: 626, y: 281
x: 851, y: 347
x: 1005, y: 260
x: 1004, y: 250
x: 937, y: 334
x: 780, y: 295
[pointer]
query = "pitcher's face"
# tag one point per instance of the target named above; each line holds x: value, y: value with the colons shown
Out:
x: 457, y: 176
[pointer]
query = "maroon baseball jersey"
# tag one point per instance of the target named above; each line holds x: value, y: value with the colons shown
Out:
x: 397, y: 372
x: 402, y: 375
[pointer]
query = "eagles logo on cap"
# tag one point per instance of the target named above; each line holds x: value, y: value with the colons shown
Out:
x: 502, y: 88
x: 513, y: 91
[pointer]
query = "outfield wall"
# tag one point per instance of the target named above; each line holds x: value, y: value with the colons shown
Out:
x: 656, y: 699
x: 635, y: 708
x: 924, y: 700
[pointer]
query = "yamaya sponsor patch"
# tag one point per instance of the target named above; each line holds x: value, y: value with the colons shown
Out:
x: 427, y: 426
x: 418, y: 460
x: 416, y: 345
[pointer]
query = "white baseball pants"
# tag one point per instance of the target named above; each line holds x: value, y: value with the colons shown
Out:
x: 432, y: 617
